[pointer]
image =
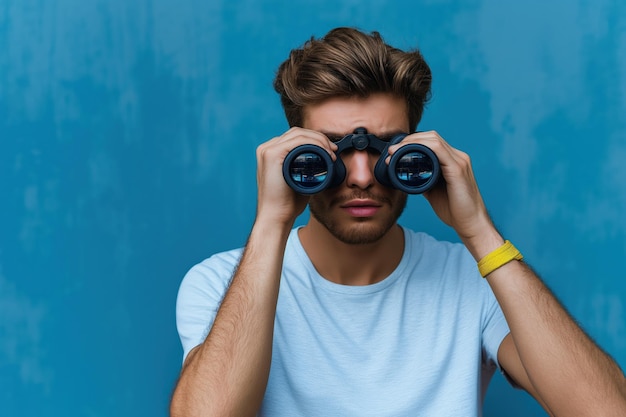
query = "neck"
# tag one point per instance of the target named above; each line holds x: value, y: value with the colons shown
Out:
x: 352, y: 264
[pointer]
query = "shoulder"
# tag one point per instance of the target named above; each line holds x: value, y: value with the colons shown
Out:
x: 447, y: 265
x: 451, y: 270
x: 218, y: 262
x: 438, y: 251
x: 211, y: 276
x: 200, y: 294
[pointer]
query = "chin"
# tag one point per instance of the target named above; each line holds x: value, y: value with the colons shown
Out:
x: 360, y: 233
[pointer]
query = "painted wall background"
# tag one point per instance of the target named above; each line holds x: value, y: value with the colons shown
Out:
x: 127, y: 137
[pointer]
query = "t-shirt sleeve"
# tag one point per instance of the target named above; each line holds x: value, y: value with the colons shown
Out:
x: 200, y: 295
x: 495, y: 329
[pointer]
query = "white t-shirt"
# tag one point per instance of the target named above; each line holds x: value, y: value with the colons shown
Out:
x: 421, y: 342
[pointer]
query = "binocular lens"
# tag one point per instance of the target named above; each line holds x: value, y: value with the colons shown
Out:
x: 308, y: 170
x: 414, y: 169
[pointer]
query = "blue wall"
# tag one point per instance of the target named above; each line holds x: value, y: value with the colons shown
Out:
x: 127, y: 136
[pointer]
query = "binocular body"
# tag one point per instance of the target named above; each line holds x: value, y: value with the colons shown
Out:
x: 413, y: 169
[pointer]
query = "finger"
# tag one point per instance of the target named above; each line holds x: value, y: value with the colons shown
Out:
x: 312, y: 136
x: 278, y: 147
x: 449, y: 157
x: 297, y: 136
x: 431, y: 139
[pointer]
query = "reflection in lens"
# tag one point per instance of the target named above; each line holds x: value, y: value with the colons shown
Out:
x: 308, y: 170
x: 414, y: 169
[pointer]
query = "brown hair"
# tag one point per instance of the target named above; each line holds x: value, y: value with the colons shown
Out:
x: 349, y: 63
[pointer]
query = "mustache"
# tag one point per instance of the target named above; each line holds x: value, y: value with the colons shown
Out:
x: 360, y: 195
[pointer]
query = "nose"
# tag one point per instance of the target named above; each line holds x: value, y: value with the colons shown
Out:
x: 359, y: 169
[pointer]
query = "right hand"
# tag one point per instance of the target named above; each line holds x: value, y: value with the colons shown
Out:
x: 277, y: 202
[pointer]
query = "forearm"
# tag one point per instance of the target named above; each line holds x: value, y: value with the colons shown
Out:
x: 570, y: 373
x: 228, y: 373
x: 573, y: 376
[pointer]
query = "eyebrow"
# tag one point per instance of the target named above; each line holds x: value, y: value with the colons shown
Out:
x: 333, y: 136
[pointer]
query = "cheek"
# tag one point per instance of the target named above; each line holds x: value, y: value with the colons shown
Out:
x: 400, y: 201
x: 318, y: 201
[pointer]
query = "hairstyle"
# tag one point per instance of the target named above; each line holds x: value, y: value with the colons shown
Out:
x: 349, y: 63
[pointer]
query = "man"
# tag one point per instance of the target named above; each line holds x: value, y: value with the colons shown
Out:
x: 354, y: 315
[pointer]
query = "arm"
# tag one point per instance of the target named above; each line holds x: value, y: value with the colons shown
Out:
x: 564, y: 369
x: 227, y: 374
x: 547, y: 353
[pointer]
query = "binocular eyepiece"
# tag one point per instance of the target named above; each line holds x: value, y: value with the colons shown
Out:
x: 413, y: 169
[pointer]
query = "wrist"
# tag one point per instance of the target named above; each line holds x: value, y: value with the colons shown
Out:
x: 272, y: 226
x: 498, y: 258
x: 267, y: 238
x: 281, y: 213
x: 485, y: 243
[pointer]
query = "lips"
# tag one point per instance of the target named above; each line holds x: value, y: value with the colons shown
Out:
x: 361, y: 207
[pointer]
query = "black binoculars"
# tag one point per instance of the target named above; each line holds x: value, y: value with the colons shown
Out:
x: 414, y: 168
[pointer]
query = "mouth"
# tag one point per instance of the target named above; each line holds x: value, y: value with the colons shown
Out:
x: 361, y: 207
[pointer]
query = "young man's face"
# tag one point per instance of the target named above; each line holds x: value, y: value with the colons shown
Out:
x: 360, y: 210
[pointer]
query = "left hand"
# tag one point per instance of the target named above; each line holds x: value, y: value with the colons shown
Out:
x: 456, y: 199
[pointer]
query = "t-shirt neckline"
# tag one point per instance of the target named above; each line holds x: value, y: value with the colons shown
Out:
x: 323, y: 283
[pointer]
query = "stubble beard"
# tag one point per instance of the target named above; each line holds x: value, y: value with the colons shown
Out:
x: 365, y: 230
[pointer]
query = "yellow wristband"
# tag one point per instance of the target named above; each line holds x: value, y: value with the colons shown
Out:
x: 499, y: 257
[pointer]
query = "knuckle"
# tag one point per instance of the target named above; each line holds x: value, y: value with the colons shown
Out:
x: 260, y: 150
x: 467, y: 160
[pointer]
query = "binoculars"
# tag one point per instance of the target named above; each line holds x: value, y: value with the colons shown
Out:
x: 413, y: 169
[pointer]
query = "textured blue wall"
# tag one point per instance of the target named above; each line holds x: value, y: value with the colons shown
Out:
x: 127, y: 136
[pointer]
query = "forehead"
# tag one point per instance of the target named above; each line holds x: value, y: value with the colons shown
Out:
x: 378, y: 113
